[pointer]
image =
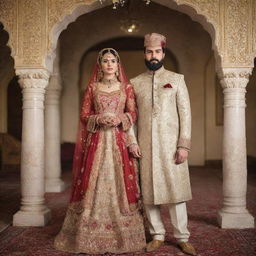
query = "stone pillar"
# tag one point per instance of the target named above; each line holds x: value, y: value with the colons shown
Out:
x: 53, y: 182
x: 33, y: 211
x: 234, y: 213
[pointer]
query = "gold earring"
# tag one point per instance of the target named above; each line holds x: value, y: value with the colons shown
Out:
x: 100, y: 74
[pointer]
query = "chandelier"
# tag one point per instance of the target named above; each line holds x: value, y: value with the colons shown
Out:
x: 117, y: 3
x: 129, y: 25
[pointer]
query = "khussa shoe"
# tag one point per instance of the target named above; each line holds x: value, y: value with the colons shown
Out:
x: 187, y: 248
x: 154, y: 245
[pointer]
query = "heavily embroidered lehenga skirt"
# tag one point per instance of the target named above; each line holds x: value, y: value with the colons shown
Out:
x: 103, y: 221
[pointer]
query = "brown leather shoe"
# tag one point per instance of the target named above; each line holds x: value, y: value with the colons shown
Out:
x: 154, y: 245
x: 187, y: 248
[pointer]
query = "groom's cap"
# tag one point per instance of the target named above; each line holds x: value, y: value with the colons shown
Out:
x: 154, y: 39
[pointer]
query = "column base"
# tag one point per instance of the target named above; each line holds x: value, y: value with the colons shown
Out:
x: 32, y: 219
x: 55, y: 186
x: 235, y: 220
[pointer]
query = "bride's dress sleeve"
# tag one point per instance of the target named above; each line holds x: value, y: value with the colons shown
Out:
x: 87, y: 114
x: 131, y: 137
x: 129, y: 117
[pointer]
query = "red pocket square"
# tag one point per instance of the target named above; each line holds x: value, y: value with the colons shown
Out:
x: 167, y: 86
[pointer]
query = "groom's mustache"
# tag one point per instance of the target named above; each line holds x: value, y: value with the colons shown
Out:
x: 153, y: 59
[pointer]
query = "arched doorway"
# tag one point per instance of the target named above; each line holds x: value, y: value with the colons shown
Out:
x: 6, y: 74
x: 77, y: 11
x: 9, y: 141
x: 251, y: 120
x: 10, y: 147
x: 73, y: 12
x: 190, y: 44
x: 14, y: 108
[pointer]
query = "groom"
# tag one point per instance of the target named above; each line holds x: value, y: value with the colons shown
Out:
x: 164, y: 130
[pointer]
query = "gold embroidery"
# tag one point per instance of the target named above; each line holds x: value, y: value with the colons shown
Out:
x: 159, y: 130
x: 104, y: 221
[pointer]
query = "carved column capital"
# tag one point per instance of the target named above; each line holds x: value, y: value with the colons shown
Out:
x: 33, y: 78
x: 234, y: 77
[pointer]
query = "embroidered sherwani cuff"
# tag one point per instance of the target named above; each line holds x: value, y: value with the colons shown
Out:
x: 92, y: 123
x: 187, y: 149
x: 126, y: 121
x: 184, y: 143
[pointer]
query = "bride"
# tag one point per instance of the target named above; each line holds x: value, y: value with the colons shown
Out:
x: 103, y: 214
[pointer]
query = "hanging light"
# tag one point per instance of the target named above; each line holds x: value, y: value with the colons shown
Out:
x: 117, y: 3
x: 129, y: 25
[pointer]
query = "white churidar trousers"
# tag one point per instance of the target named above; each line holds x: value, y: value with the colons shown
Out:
x: 179, y: 221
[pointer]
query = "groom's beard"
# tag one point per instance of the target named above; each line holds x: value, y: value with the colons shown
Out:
x: 154, y: 65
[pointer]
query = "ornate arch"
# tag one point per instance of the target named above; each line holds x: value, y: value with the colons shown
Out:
x: 206, y: 13
x: 7, y: 72
x: 62, y: 13
x: 8, y: 14
x: 34, y: 27
x: 254, y: 29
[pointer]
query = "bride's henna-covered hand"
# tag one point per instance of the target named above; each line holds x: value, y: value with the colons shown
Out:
x: 134, y: 149
x: 108, y: 120
x: 114, y: 120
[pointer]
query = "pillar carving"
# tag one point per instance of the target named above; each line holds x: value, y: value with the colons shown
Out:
x: 53, y: 182
x: 33, y: 211
x: 234, y: 213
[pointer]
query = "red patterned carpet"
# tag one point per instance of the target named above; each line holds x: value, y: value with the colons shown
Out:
x: 206, y: 236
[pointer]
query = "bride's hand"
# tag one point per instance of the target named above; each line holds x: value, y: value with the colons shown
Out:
x: 108, y: 120
x: 134, y: 149
x: 115, y: 120
x: 102, y: 120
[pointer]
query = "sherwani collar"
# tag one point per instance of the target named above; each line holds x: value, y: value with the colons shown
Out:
x: 158, y: 72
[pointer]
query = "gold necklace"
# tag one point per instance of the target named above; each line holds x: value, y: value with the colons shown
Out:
x: 109, y: 82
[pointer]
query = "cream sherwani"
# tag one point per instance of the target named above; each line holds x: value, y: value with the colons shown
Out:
x: 164, y: 124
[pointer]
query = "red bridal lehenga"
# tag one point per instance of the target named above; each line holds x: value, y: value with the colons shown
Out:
x: 103, y: 214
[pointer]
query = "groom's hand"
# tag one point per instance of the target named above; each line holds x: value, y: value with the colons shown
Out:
x: 181, y: 155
